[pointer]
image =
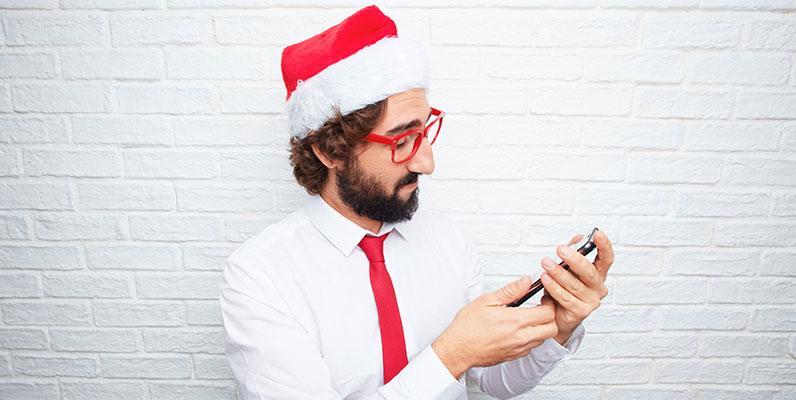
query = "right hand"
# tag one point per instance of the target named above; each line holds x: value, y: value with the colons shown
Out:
x: 485, y: 333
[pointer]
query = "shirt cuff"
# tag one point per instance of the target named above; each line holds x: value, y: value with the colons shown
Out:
x: 552, y: 352
x: 426, y: 377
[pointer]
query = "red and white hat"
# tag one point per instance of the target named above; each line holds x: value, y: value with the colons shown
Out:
x: 351, y: 65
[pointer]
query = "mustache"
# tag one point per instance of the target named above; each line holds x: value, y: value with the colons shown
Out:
x: 408, y: 179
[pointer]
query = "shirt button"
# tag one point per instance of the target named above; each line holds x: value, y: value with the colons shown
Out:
x: 548, y: 353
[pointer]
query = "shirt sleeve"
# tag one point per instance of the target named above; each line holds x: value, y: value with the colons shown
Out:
x: 512, y: 378
x: 272, y: 357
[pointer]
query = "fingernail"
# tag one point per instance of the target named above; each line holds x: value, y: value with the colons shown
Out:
x: 545, y: 278
x: 565, y: 251
x: 548, y: 264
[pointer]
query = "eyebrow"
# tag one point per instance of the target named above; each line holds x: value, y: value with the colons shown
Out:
x: 407, y: 125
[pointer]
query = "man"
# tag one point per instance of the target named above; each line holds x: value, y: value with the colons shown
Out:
x: 355, y: 296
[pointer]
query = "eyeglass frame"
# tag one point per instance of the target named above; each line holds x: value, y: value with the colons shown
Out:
x: 392, y: 141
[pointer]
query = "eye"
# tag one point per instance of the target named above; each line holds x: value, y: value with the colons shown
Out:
x: 402, y: 142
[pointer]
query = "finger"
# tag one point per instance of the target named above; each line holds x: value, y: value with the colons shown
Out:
x: 579, y: 265
x: 575, y: 239
x: 508, y: 293
x: 566, y: 279
x: 537, y: 333
x: 563, y: 297
x: 605, y: 253
x: 527, y: 316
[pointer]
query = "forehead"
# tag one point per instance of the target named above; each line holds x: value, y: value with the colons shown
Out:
x: 404, y: 107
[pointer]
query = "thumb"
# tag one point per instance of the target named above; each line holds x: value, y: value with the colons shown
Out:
x: 510, y: 292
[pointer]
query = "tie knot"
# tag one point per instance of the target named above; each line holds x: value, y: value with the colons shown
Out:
x: 373, y: 246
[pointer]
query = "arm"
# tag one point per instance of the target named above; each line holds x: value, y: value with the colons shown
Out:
x: 273, y: 357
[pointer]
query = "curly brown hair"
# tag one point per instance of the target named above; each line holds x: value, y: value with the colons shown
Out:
x: 337, y: 138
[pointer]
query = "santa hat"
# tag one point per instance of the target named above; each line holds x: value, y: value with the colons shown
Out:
x: 351, y: 65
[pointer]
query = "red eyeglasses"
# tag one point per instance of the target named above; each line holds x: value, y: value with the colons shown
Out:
x: 405, y: 145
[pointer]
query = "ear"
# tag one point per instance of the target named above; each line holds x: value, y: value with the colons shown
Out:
x: 328, y: 162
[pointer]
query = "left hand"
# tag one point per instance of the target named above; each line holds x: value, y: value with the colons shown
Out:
x: 577, y: 292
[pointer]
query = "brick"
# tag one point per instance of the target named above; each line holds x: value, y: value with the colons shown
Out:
x: 559, y: 230
x: 755, y: 393
x: 483, y: 100
x: 667, y: 232
x: 19, y: 285
x: 642, y: 67
x: 112, y: 64
x: 649, y: 4
x: 34, y: 4
x: 142, y: 29
x: 132, y: 130
x: 222, y: 131
x: 458, y: 63
x: 150, y: 367
x: 620, y: 201
x: 760, y: 171
x: 484, y: 28
x: 742, y: 346
x: 660, y: 291
x: 138, y: 313
x: 62, y: 98
x: 765, y: 105
x: 440, y: 196
x: 528, y: 131
x: 698, y: 371
x: 40, y: 257
x: 637, y: 262
x: 667, y: 102
x: 752, y: 291
x: 113, y: 4
x: 702, y: 318
x: 179, y: 391
x: 276, y: 28
x: 30, y: 390
x: 775, y: 35
x: 647, y: 392
x: 13, y: 228
x: 689, y: 32
x: 184, y: 341
x: 779, y: 264
x: 212, y: 63
x: 226, y: 4
x: 39, y: 129
x: 55, y: 366
x: 46, y: 29
x: 625, y: 133
x: 5, y: 99
x: 204, y: 257
x: 63, y: 226
x: 670, y: 168
x: 204, y: 313
x: 23, y: 339
x: 497, y: 230
x: 78, y: 163
x: 522, y: 198
x: 581, y: 100
x: 170, y: 163
x: 211, y: 367
x: 239, y: 229
x: 175, y: 228
x: 789, y: 136
x: 731, y: 137
x: 10, y: 163
x: 250, y: 165
x: 742, y: 5
x: 101, y: 390
x: 713, y: 263
x: 251, y: 100
x: 551, y: 392
x: 573, y: 166
x: 510, y: 65
x: 132, y: 257
x: 656, y: 345
x: 453, y: 164
x: 751, y: 69
x: 27, y: 65
x: 607, y: 372
x: 87, y: 285
x: 93, y: 340
x: 179, y: 286
x: 769, y: 372
x: 722, y: 204
x: 593, y: 32
x: 749, y: 233
x: 126, y: 196
x: 156, y: 99
x: 774, y: 319
x: 784, y: 204
x: 39, y: 313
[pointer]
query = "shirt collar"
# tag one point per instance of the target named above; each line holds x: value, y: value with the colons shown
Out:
x: 341, y: 231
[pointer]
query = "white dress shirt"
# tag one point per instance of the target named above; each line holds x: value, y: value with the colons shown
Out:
x: 300, y: 320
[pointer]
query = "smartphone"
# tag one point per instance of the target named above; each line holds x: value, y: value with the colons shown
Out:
x: 585, y: 246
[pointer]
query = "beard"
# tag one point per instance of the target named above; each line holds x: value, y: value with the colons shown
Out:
x: 366, y: 197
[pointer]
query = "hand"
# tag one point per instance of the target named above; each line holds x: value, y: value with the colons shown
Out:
x: 485, y: 333
x: 577, y: 292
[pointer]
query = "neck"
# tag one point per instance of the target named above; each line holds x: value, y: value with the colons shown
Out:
x: 332, y: 198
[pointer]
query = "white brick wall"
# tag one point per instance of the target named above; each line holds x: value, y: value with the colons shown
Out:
x: 141, y: 142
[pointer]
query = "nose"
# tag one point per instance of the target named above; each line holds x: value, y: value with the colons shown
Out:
x: 423, y: 160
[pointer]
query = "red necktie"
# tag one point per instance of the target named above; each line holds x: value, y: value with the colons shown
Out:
x: 393, y: 346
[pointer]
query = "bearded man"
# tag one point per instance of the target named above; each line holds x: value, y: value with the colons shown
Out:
x: 358, y: 296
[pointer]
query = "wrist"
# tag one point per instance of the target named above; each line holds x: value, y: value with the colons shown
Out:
x: 563, y: 336
x: 455, y: 361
